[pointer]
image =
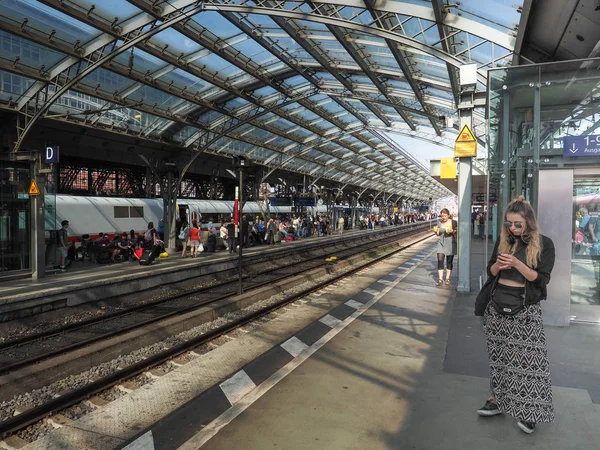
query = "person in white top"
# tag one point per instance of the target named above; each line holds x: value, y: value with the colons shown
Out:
x: 224, y: 235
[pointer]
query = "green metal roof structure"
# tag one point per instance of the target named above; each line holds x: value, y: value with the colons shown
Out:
x: 310, y: 87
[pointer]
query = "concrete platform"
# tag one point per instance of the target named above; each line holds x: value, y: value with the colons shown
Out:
x: 86, y: 282
x: 408, y: 372
x: 385, y: 360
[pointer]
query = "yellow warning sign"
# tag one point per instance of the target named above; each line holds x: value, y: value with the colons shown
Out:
x: 33, y: 188
x: 465, y: 144
x: 447, y: 168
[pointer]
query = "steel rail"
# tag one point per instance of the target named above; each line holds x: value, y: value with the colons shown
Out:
x: 6, y: 369
x: 277, y: 254
x: 64, y: 401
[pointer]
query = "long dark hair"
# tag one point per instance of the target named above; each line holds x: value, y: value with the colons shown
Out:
x: 530, y: 234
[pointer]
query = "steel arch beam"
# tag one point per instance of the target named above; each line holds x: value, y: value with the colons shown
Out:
x: 424, y: 12
x: 326, y: 118
x: 321, y: 59
x: 341, y: 37
x: 385, y: 34
x: 236, y: 124
x: 400, y: 58
x: 130, y: 40
x: 440, y: 15
x: 117, y: 32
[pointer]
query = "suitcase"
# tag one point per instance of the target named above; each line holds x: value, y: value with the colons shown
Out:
x: 147, y: 257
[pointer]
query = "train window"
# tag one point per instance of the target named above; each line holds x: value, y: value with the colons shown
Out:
x: 136, y: 211
x: 121, y: 212
x: 4, y: 224
x: 22, y: 220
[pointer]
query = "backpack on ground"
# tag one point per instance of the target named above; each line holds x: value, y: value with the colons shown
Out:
x: 104, y: 255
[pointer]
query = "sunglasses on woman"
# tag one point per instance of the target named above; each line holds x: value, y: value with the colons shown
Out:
x: 509, y: 224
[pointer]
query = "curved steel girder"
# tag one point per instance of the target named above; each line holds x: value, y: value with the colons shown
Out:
x: 234, y: 59
x: 365, y: 65
x: 365, y: 97
x: 385, y: 34
x: 234, y: 126
x: 130, y: 40
x: 248, y: 118
x: 441, y: 141
x: 401, y: 59
x: 46, y: 0
x: 425, y: 12
x: 111, y: 34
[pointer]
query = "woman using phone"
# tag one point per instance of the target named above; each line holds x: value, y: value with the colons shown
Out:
x: 521, y: 263
x: 446, y: 230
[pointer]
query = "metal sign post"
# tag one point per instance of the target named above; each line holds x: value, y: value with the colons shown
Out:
x: 240, y: 237
x: 240, y: 163
x: 37, y: 219
x: 465, y: 147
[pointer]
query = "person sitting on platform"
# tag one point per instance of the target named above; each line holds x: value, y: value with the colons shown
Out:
x: 283, y: 230
x: 123, y: 248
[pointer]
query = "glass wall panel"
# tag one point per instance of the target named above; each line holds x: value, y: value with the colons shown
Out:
x: 585, y: 260
x: 14, y: 216
x: 546, y: 117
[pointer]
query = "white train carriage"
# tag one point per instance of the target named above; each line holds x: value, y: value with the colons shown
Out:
x: 94, y: 215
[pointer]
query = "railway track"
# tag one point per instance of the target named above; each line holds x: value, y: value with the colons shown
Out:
x: 28, y: 417
x: 29, y: 350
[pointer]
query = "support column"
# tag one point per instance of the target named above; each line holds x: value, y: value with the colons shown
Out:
x: 37, y: 222
x: 536, y: 146
x: 465, y: 113
x: 239, y: 234
x: 505, y: 176
x: 149, y: 182
x: 169, y: 208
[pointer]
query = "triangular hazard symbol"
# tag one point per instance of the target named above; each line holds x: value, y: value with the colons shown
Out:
x: 465, y: 135
x: 33, y: 188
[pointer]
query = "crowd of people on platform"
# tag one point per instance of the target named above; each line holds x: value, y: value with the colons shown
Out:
x: 111, y: 248
x: 254, y: 231
x: 209, y: 236
x: 260, y: 231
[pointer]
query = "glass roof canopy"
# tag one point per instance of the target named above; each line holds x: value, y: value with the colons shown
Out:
x: 309, y: 87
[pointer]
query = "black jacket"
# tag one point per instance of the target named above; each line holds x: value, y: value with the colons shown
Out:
x: 535, y: 290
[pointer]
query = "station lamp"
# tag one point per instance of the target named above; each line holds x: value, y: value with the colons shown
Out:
x: 241, y: 162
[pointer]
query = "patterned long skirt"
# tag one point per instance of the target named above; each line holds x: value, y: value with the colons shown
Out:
x: 519, y: 369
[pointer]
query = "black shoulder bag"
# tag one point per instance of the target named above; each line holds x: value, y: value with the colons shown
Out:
x: 509, y: 305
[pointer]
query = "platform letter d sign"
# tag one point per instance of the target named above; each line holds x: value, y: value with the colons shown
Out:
x: 51, y: 155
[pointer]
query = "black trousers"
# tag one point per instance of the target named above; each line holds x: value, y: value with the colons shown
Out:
x: 231, y: 244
